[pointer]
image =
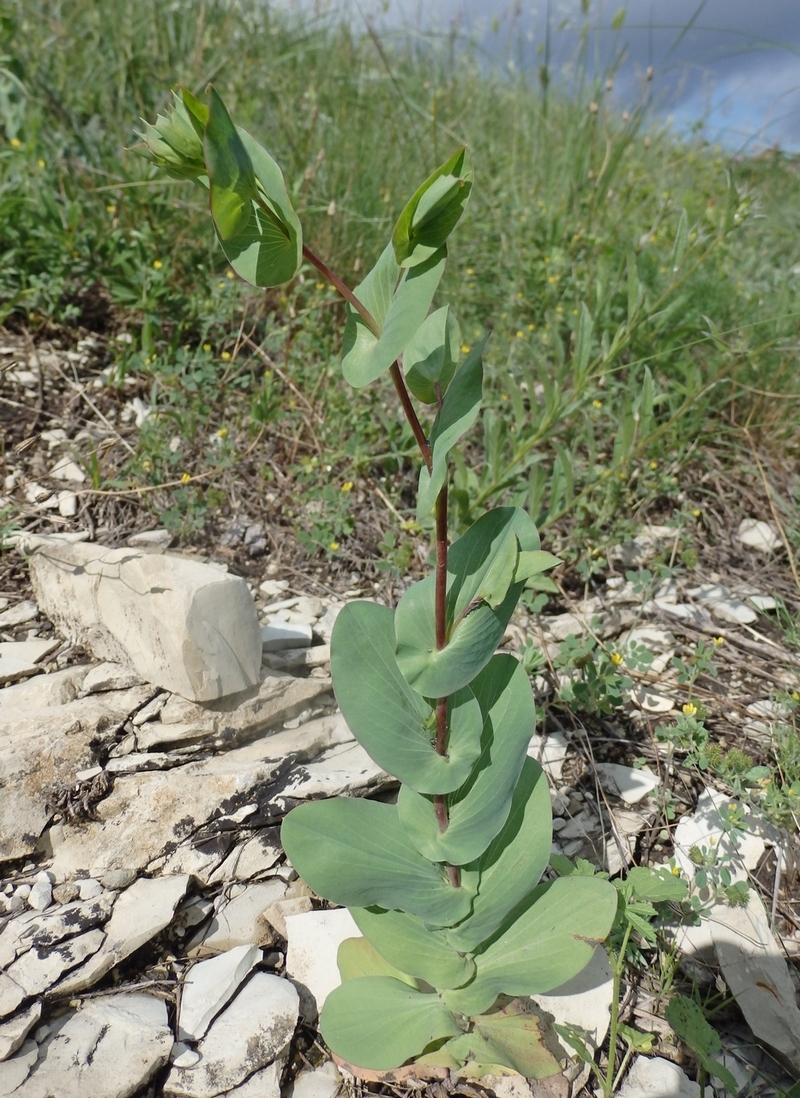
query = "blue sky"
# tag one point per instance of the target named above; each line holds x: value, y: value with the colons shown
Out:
x: 733, y: 65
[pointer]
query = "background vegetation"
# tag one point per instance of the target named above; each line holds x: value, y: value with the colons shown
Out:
x: 642, y: 291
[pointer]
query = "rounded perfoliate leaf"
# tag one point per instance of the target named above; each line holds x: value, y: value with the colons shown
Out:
x: 256, y: 224
x: 379, y: 1023
x: 433, y: 211
x: 478, y: 810
x: 430, y: 359
x: 405, y: 942
x: 356, y: 854
x: 514, y: 1036
x: 395, y: 724
x: 357, y: 957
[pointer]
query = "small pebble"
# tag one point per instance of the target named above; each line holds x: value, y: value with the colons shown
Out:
x: 88, y: 888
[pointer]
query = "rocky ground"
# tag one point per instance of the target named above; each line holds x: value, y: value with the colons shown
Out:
x: 153, y: 938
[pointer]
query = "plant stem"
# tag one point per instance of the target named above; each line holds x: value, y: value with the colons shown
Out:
x: 618, y: 966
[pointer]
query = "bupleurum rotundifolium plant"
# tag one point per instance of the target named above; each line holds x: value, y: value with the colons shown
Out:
x: 445, y: 885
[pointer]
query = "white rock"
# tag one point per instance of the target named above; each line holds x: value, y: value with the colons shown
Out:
x: 250, y: 859
x: 697, y: 615
x: 253, y: 1031
x: 15, y: 1071
x: 67, y: 504
x: 262, y: 1084
x: 630, y: 785
x: 141, y: 912
x: 772, y: 710
x: 11, y: 995
x: 648, y: 542
x: 277, y: 913
x: 661, y: 642
x: 110, y: 1048
x: 16, y: 1029
x: 273, y: 588
x: 345, y: 769
x: 183, y: 1056
x: 19, y: 659
x: 292, y: 658
x: 561, y: 626
x: 324, y: 1082
x: 209, y: 986
x: 324, y: 626
x: 240, y: 921
x: 762, y: 602
x: 650, y: 701
x: 109, y: 676
x: 35, y: 973
x: 178, y: 623
x: 550, y: 752
x: 705, y: 831
x: 722, y: 604
x: 585, y: 1000
x: 655, y: 1077
x: 151, y: 539
x: 19, y: 613
x: 314, y: 938
x: 757, y: 975
x: 67, y: 469
x: 88, y: 888
x: 762, y: 536
x: 41, y: 931
x: 283, y: 634
x: 41, y: 894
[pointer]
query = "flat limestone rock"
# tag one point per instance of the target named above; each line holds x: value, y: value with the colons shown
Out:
x: 209, y: 986
x: 109, y: 1048
x: 240, y: 921
x: 37, y: 971
x: 16, y: 1029
x: 757, y: 975
x: 762, y: 536
x: 46, y: 736
x: 704, y: 830
x: 314, y: 938
x: 625, y: 782
x: 149, y: 812
x: 324, y: 1082
x: 141, y: 912
x: 235, y: 719
x: 36, y: 930
x: 15, y: 1070
x: 252, y: 1032
x: 178, y: 623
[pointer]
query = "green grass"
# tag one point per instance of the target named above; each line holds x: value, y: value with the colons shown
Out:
x: 640, y: 289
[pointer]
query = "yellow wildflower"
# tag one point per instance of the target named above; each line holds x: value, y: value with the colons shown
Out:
x: 465, y: 348
x: 696, y: 513
x: 347, y: 486
x: 225, y: 356
x: 157, y: 264
x: 40, y: 162
x: 222, y: 432
x: 334, y: 545
x: 718, y: 641
x: 229, y: 273
x: 206, y: 346
x: 597, y: 404
x: 617, y: 658
x: 15, y: 143
x: 689, y: 709
x: 185, y: 479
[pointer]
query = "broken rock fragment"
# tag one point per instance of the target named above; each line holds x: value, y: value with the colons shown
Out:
x: 180, y: 624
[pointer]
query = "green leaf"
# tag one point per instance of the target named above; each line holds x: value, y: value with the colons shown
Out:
x: 480, y: 808
x: 431, y: 357
x: 474, y: 627
x: 230, y: 172
x: 548, y: 943
x: 357, y: 854
x: 583, y: 342
x: 657, y: 885
x: 395, y: 724
x: 636, y: 1038
x: 689, y: 1023
x: 357, y: 957
x: 511, y: 866
x: 405, y: 942
x: 257, y: 227
x: 515, y: 1036
x: 433, y: 211
x: 459, y: 411
x: 398, y: 309
x: 532, y: 564
x: 379, y: 1023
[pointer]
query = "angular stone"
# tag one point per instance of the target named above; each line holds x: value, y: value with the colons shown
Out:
x: 209, y: 986
x: 41, y: 894
x: 241, y: 920
x: 250, y: 859
x: 67, y: 469
x: 650, y: 701
x: 630, y: 785
x: 19, y: 613
x: 178, y: 623
x: 324, y: 1082
x: 110, y: 1048
x: 16, y: 1029
x: 585, y: 1000
x: 656, y: 640
x: 157, y: 539
x: 762, y: 536
x: 32, y: 930
x: 314, y: 938
x: 262, y: 1084
x: 147, y: 813
x: 141, y: 912
x: 757, y: 975
x: 15, y: 1071
x: 284, y: 634
x: 233, y: 720
x: 550, y: 752
x: 36, y: 971
x: 655, y: 1077
x: 110, y: 676
x: 20, y: 658
x: 253, y: 1031
x: 46, y: 736
x: 277, y: 913
x: 641, y: 549
x: 741, y: 852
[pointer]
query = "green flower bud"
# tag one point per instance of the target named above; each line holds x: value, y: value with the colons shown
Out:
x: 175, y: 142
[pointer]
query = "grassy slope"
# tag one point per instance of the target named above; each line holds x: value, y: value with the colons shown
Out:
x: 627, y: 333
